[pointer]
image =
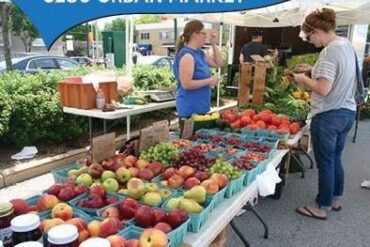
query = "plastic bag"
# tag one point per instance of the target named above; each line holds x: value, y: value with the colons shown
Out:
x: 267, y: 181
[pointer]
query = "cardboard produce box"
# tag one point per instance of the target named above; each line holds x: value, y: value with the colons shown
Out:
x: 74, y: 93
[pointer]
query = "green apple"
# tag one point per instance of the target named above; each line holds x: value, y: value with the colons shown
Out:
x: 151, y: 187
x: 173, y: 203
x: 107, y: 174
x: 96, y: 183
x: 123, y: 175
x: 123, y: 191
x: 152, y: 198
x: 73, y: 173
x: 111, y: 185
x: 83, y: 169
x: 84, y: 179
x: 165, y: 193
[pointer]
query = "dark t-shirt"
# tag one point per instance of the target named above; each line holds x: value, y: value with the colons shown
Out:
x: 253, y: 48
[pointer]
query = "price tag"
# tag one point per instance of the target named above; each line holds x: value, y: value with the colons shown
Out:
x: 188, y: 129
x: 103, y: 147
x: 161, y: 131
x: 147, y: 139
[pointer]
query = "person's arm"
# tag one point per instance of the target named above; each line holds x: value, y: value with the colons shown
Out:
x: 186, y: 72
x: 215, y: 60
x: 241, y: 58
x: 321, y: 86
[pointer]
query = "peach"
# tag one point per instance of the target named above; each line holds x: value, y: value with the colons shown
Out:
x: 94, y: 228
x: 141, y: 164
x: 175, y: 181
x: 83, y: 235
x: 153, y: 238
x: 116, y: 241
x: 221, y: 179
x: 134, y: 171
x: 111, y: 212
x: 130, y: 161
x: 186, y: 171
x: 47, y: 224
x: 47, y: 201
x: 169, y: 172
x: 132, y: 243
x: 62, y: 211
x: 211, y: 186
x: 79, y: 223
x: 109, y: 226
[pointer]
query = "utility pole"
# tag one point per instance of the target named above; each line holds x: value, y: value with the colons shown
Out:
x: 5, y: 8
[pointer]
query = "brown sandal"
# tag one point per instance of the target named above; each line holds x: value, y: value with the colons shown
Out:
x: 305, y: 211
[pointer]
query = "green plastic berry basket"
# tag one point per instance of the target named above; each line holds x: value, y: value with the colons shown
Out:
x: 197, y: 220
x: 235, y: 186
x: 218, y: 198
x: 132, y: 232
x: 91, y: 211
x: 250, y: 176
x: 61, y: 174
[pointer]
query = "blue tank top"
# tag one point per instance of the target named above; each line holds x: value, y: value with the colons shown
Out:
x: 193, y: 101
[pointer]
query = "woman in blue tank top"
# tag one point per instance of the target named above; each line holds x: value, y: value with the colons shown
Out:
x: 192, y: 70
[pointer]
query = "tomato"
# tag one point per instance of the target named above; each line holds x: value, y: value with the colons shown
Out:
x: 294, y: 128
x: 236, y: 124
x: 283, y: 130
x: 275, y: 120
x: 249, y: 112
x: 265, y: 117
x: 261, y: 124
x: 256, y: 118
x: 252, y: 127
x: 272, y: 127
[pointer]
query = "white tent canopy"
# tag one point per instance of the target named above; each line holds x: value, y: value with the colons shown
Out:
x: 291, y: 13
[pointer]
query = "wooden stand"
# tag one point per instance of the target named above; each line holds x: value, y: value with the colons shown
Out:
x: 257, y: 73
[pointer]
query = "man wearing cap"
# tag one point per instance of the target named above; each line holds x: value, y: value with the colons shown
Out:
x: 255, y: 47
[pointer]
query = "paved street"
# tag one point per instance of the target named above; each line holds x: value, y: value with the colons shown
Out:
x: 347, y: 228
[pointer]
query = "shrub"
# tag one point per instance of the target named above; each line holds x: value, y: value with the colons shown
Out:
x: 150, y: 78
x: 5, y: 112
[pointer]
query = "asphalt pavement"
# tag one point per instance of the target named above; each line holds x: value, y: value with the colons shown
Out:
x: 347, y: 228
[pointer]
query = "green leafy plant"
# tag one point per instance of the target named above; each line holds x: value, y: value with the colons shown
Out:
x: 5, y: 112
x: 150, y: 78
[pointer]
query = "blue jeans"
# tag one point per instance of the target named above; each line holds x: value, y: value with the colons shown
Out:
x: 329, y: 131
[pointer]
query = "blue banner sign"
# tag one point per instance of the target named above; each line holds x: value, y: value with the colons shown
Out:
x: 54, y: 17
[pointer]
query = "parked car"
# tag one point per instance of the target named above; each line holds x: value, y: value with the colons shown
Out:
x: 83, y: 60
x: 157, y: 61
x: 32, y: 64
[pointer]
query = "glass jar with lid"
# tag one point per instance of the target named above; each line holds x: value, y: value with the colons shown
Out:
x: 6, y: 215
x: 26, y: 227
x: 30, y: 244
x: 94, y: 242
x: 65, y: 235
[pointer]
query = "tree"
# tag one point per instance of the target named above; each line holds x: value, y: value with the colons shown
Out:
x: 23, y: 27
x: 145, y: 19
x: 118, y: 24
x: 5, y: 31
x: 79, y: 32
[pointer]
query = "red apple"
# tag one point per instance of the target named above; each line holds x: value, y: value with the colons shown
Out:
x: 144, y: 217
x: 211, y: 186
x: 126, y: 211
x: 164, y: 227
x: 159, y: 215
x: 67, y: 194
x: 145, y: 174
x: 134, y: 171
x: 98, y: 190
x: 201, y: 176
x: 169, y: 172
x: 92, y: 201
x: 156, y: 167
x: 96, y: 170
x: 176, y: 218
x: 130, y: 161
x: 80, y: 189
x: 190, y: 183
x: 55, y: 189
x: 111, y: 200
x: 47, y: 201
x: 62, y: 211
x: 131, y: 203
x: 20, y: 206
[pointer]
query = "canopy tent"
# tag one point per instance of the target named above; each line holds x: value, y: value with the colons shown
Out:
x: 291, y: 13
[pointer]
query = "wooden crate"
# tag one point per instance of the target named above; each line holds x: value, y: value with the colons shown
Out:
x: 248, y: 73
x: 220, y: 240
x: 83, y: 96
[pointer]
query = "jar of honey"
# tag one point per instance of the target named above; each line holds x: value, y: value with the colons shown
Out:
x: 65, y: 235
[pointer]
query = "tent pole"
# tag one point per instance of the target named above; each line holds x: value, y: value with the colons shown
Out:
x: 127, y: 31
x: 219, y: 69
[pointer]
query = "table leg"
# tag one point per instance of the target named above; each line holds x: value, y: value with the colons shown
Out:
x: 90, y: 129
x: 105, y: 126
x: 128, y: 122
x: 356, y: 123
x: 239, y: 234
x: 250, y: 208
